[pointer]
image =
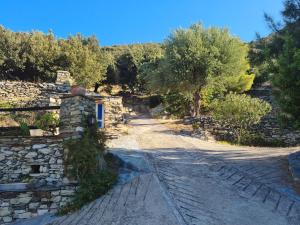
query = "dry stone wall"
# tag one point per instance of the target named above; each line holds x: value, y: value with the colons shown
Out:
x: 30, y: 94
x: 33, y: 180
x: 115, y: 114
x: 270, y: 127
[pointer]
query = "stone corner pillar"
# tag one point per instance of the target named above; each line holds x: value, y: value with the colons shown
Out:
x: 74, y: 114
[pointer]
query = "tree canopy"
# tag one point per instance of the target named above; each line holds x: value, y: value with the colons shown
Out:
x: 197, y: 57
x: 36, y: 56
x: 126, y: 62
x: 281, y: 55
x: 240, y: 112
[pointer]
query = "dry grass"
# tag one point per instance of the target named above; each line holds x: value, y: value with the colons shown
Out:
x: 176, y: 125
x: 7, y: 121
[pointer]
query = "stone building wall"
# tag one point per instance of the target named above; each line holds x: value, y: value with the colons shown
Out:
x: 74, y: 113
x: 115, y: 114
x: 33, y: 180
x: 37, y: 165
x: 32, y: 159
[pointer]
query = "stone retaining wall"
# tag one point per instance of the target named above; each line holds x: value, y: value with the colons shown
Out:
x: 270, y: 127
x: 29, y: 203
x: 30, y: 94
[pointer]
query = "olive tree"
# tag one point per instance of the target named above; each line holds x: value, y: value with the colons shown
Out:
x: 194, y: 56
x: 84, y: 59
x: 240, y: 112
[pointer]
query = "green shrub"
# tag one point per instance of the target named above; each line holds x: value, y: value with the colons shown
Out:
x: 251, y: 139
x: 49, y: 121
x: 90, y: 189
x: 84, y: 162
x: 24, y: 129
x: 239, y: 112
x: 177, y: 105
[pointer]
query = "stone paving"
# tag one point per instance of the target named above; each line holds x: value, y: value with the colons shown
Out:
x: 194, y: 182
x: 137, y: 202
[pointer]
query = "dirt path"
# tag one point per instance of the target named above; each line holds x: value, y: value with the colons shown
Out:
x: 189, y: 181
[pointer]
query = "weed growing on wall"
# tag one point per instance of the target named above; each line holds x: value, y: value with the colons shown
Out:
x: 85, y: 163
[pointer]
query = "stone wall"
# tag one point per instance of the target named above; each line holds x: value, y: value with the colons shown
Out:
x: 30, y: 94
x: 29, y: 203
x: 115, y: 114
x: 32, y: 159
x: 64, y: 78
x: 36, y: 164
x: 74, y: 113
x: 269, y: 127
x: 24, y: 94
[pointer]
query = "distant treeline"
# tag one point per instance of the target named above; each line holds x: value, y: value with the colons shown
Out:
x: 36, y: 56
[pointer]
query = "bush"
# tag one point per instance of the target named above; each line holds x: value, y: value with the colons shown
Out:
x: 177, y: 105
x: 24, y: 129
x: 90, y: 189
x: 49, y: 121
x: 240, y: 112
x: 251, y: 139
x: 85, y: 163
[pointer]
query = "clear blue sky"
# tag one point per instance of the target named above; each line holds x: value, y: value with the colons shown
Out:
x: 131, y: 21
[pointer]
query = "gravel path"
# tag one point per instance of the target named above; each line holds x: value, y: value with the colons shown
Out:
x: 187, y: 181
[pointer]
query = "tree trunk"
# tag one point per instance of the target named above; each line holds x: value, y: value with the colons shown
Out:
x: 97, y: 85
x: 196, y: 104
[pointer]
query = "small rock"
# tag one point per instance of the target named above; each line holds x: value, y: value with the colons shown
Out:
x: 2, y: 157
x: 34, y: 205
x: 56, y: 199
x: 42, y: 211
x: 5, y: 211
x: 67, y: 192
x: 25, y: 215
x: 45, y: 151
x: 38, y: 146
x: 7, y: 219
x: 25, y: 200
x: 31, y: 155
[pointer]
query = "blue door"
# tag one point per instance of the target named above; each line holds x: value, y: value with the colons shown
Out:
x: 100, y: 115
